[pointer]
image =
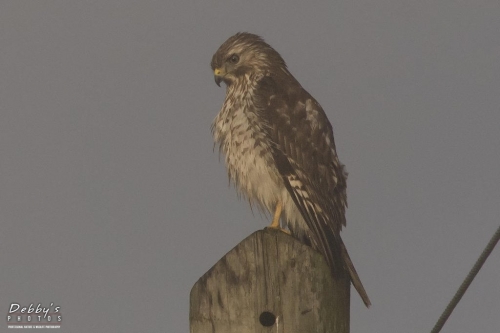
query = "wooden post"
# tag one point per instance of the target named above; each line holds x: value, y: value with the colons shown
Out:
x: 270, y: 282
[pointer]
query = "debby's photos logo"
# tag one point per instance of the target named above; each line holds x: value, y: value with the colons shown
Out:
x: 34, y: 316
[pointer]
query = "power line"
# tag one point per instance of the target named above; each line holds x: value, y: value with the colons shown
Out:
x: 468, y: 280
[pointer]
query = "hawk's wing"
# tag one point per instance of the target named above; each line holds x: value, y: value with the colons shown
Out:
x: 305, y: 156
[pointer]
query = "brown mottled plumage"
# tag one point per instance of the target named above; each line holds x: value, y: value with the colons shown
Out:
x: 279, y: 148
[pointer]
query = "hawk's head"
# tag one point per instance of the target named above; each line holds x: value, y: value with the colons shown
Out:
x: 244, y: 54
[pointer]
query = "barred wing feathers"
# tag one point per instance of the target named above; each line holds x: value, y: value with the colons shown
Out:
x: 305, y: 156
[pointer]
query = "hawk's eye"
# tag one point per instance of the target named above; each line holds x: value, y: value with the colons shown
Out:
x: 234, y: 59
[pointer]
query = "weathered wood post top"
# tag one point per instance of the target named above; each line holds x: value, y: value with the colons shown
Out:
x: 270, y: 282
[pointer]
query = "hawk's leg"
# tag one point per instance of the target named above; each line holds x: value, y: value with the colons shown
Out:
x: 275, y: 224
x: 277, y: 214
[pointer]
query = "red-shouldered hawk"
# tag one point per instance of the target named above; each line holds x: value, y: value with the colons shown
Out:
x: 279, y: 148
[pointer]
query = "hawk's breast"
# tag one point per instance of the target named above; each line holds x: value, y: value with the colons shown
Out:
x: 241, y: 137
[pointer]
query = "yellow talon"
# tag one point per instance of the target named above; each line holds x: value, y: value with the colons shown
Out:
x: 275, y: 224
x: 277, y: 214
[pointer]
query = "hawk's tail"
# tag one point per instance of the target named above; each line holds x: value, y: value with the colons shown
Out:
x: 356, y: 281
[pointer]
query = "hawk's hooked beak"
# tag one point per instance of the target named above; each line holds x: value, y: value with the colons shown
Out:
x: 218, y: 75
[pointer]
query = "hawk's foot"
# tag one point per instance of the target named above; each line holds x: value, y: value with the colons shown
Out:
x: 277, y: 214
x: 275, y: 224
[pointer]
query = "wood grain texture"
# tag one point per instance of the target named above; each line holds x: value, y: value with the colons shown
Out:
x: 271, y: 272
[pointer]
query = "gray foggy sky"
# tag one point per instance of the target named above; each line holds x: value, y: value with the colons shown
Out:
x: 113, y: 203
